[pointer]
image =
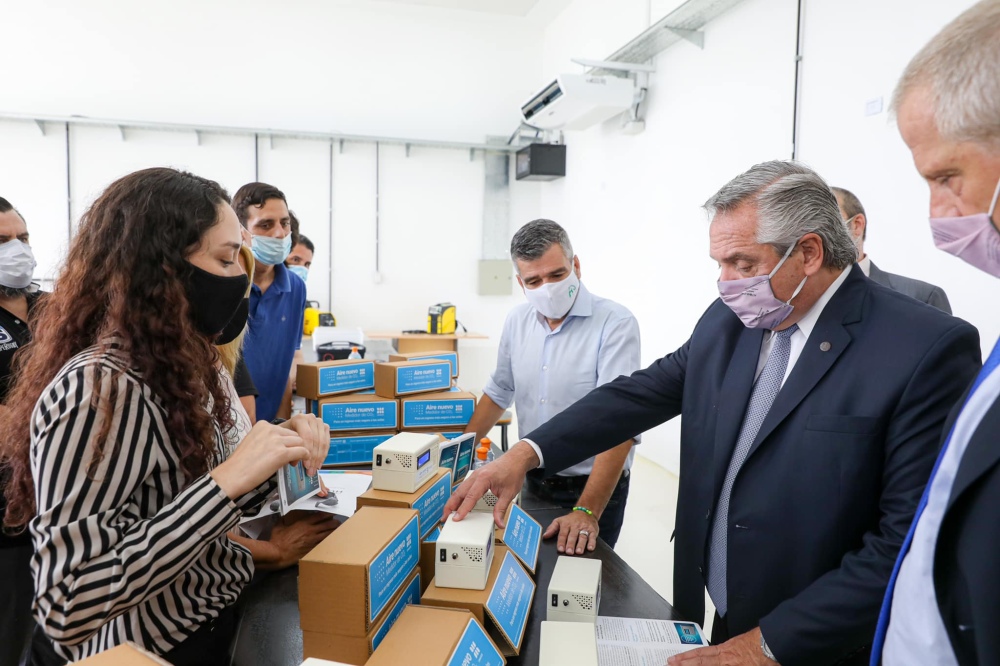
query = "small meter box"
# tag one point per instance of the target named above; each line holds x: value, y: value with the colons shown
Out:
x: 574, y: 590
x: 465, y: 552
x: 404, y: 462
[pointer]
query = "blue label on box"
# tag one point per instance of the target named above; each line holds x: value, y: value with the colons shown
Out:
x: 419, y: 413
x: 391, y: 567
x: 342, y: 416
x: 523, y: 536
x: 430, y: 505
x: 433, y: 536
x: 344, y: 378
x: 411, y: 595
x: 427, y: 377
x: 510, y: 600
x: 451, y: 357
x: 353, y: 450
x: 475, y: 648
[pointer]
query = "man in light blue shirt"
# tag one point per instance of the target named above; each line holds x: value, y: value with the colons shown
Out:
x: 555, y: 349
x: 943, y: 601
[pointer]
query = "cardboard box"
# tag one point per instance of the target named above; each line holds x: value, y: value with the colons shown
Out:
x: 443, y: 355
x: 313, y: 661
x: 509, y: 589
x: 354, y: 412
x: 354, y: 448
x: 428, y: 500
x: 126, y: 654
x: 412, y: 377
x: 445, y: 434
x: 428, y: 556
x: 318, y: 380
x: 347, y: 582
x: 436, y: 637
x: 357, y: 649
x: 447, y: 409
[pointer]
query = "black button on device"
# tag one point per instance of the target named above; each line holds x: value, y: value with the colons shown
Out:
x: 444, y: 555
x: 378, y: 459
x: 555, y: 599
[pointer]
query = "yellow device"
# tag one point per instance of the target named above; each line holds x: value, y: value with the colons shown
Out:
x: 315, y: 317
x: 441, y: 319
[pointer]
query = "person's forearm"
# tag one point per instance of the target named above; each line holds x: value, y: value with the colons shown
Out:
x: 249, y: 403
x: 604, y: 478
x: 485, y: 417
x: 296, y: 359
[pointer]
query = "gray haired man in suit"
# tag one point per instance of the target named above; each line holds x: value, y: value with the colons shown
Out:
x: 857, y: 225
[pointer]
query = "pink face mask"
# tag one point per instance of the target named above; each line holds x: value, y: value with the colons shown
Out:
x: 753, y: 300
x: 971, y: 238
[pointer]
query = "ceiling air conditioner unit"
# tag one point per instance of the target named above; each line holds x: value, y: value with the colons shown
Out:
x: 578, y: 101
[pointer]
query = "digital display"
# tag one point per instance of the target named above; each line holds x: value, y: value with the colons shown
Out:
x: 424, y: 459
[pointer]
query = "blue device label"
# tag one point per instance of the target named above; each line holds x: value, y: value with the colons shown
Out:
x: 411, y: 595
x: 523, y: 536
x: 353, y: 450
x: 427, y: 377
x: 430, y: 505
x: 433, y: 413
x: 475, y: 648
x: 342, y: 416
x: 391, y: 567
x: 510, y: 600
x: 343, y: 378
x: 451, y: 357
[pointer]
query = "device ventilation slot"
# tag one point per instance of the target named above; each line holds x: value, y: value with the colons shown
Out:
x: 405, y: 461
x: 474, y: 554
x: 585, y: 600
x: 490, y: 499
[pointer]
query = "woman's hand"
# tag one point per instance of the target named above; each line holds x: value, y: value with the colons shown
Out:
x: 261, y: 453
x: 316, y: 436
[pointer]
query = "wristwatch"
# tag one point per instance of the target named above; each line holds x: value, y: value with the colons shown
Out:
x: 766, y: 650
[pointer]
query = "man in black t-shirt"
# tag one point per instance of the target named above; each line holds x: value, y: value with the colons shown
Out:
x: 17, y: 299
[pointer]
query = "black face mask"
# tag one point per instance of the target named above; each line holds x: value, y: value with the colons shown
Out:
x: 236, y: 324
x: 215, y: 301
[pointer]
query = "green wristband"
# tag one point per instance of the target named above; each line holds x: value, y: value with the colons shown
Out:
x: 585, y: 510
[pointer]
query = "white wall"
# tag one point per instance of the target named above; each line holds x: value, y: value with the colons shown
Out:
x: 632, y: 203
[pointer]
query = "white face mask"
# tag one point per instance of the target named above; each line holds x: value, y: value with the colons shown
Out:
x: 554, y: 299
x: 17, y: 264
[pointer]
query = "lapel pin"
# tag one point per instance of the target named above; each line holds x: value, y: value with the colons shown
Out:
x: 824, y: 346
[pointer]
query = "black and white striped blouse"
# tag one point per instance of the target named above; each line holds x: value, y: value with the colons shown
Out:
x: 125, y: 552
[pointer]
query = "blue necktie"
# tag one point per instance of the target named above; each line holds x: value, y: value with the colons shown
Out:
x: 764, y: 391
x: 883, y: 617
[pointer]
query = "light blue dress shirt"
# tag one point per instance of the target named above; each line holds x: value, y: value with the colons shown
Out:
x: 544, y: 371
x: 916, y: 633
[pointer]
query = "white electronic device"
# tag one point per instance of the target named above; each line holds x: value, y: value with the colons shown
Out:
x: 577, y: 101
x: 575, y: 590
x: 488, y: 502
x: 465, y: 552
x: 404, y: 463
x: 568, y: 643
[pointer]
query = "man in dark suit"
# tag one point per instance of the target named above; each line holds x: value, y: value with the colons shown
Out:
x: 812, y: 403
x: 857, y: 225
x: 942, y: 605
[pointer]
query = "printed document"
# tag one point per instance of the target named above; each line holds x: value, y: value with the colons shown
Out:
x: 625, y: 641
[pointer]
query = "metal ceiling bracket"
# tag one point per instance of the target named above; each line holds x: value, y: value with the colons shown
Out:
x: 197, y: 137
x: 340, y: 146
x: 472, y: 154
x: 696, y: 37
x: 121, y: 130
x: 407, y: 150
x: 41, y: 126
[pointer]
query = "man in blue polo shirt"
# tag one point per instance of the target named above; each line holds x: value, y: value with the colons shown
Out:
x: 273, y: 342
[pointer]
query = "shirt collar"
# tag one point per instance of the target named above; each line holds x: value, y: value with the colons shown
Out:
x: 281, y: 282
x: 809, y: 319
x: 866, y: 266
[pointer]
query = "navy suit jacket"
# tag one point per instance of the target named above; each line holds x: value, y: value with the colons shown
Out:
x: 967, y: 559
x: 918, y: 289
x: 827, y: 493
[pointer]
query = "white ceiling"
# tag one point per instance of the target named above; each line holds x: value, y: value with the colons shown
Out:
x: 508, y: 7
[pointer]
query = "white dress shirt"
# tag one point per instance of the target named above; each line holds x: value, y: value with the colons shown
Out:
x: 797, y: 341
x: 866, y: 266
x: 544, y: 371
x: 916, y: 633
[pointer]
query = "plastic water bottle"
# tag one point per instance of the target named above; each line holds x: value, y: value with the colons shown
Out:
x: 354, y: 354
x: 484, y: 454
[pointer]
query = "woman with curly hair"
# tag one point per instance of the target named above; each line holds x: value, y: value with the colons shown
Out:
x: 115, y: 432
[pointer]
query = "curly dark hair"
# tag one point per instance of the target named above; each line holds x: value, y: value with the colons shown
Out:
x: 124, y: 278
